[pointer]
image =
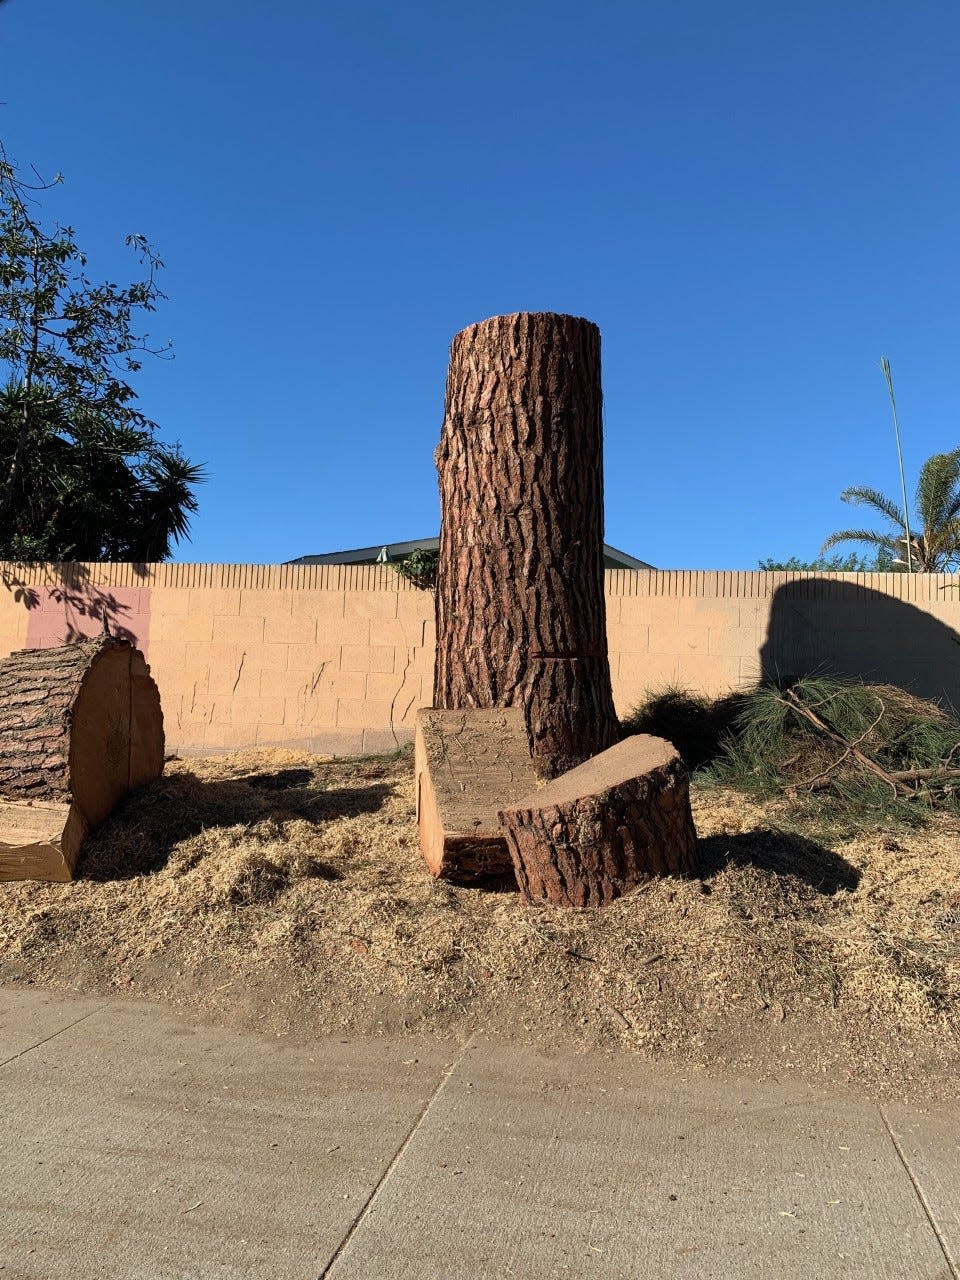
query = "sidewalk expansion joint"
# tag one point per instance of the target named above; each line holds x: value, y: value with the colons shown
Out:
x: 384, y: 1178
x: 52, y: 1036
x: 921, y: 1196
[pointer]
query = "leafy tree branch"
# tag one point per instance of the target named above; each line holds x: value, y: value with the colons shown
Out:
x: 82, y: 473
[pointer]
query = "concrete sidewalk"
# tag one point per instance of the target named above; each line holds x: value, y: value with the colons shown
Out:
x: 136, y: 1145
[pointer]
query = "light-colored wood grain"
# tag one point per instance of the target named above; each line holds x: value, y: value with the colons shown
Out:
x: 100, y: 736
x: 468, y: 764
x: 146, y: 725
x: 40, y: 841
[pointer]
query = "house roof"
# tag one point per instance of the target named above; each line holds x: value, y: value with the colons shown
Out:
x: 612, y: 558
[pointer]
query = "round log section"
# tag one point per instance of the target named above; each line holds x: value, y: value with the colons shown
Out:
x: 80, y: 727
x: 605, y: 827
x: 519, y: 601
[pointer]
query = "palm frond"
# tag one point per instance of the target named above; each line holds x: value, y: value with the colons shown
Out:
x: 165, y: 503
x: 870, y: 536
x: 91, y: 488
x: 861, y: 496
x: 937, y: 488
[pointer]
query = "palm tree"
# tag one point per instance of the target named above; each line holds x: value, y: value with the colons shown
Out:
x: 936, y: 549
x: 90, y: 489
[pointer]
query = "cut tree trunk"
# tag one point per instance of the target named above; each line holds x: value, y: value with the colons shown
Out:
x: 468, y: 765
x: 80, y: 727
x: 520, y: 605
x: 601, y: 829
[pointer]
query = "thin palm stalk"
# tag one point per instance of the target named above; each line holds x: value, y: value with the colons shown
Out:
x: 888, y: 377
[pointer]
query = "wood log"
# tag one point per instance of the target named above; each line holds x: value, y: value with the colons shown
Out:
x: 80, y: 727
x: 468, y: 764
x: 39, y: 841
x: 600, y: 830
x: 519, y: 601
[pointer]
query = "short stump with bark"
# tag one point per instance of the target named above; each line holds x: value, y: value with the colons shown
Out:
x: 598, y: 831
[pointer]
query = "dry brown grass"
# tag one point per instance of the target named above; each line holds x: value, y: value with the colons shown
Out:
x: 286, y: 893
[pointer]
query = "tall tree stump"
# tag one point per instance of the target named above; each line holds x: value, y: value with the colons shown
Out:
x: 601, y: 829
x: 80, y: 727
x: 520, y: 606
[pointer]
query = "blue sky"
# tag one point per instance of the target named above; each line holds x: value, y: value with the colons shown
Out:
x: 753, y: 201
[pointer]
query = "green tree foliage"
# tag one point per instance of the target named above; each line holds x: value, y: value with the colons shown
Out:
x: 882, y: 562
x: 420, y: 568
x: 82, y: 473
x: 935, y: 548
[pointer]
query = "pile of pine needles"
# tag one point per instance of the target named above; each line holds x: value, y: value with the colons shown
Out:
x: 837, y: 750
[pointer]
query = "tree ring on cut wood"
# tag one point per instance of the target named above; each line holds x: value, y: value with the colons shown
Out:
x: 80, y: 727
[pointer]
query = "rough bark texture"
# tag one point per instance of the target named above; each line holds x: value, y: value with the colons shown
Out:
x: 38, y: 688
x: 603, y: 828
x: 520, y: 606
x: 80, y: 727
x: 468, y: 765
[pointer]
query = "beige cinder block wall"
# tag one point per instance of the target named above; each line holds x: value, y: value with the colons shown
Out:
x: 338, y: 658
x: 715, y: 631
x: 331, y: 658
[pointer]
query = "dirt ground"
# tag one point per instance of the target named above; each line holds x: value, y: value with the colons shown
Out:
x: 286, y: 893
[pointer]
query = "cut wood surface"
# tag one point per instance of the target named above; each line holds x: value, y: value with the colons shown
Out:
x: 80, y: 727
x: 520, y: 606
x: 598, y: 831
x: 469, y: 764
x: 39, y: 841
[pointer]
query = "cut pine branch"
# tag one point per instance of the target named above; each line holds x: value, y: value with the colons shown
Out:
x: 792, y: 701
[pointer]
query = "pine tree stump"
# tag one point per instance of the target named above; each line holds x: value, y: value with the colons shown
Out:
x: 598, y: 831
x: 467, y: 765
x: 520, y: 607
x: 80, y: 727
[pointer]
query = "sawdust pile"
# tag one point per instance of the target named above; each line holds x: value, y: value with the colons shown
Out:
x: 286, y: 893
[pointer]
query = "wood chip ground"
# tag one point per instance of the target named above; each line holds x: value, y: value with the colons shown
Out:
x: 287, y: 894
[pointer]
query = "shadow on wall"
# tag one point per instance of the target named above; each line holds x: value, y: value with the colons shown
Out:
x: 819, y: 626
x: 74, y: 608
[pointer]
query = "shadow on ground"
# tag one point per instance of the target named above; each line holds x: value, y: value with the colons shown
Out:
x: 139, y: 837
x: 782, y: 854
